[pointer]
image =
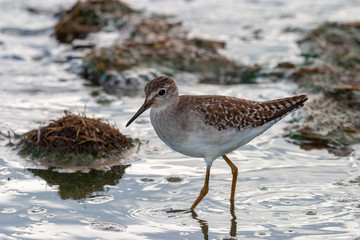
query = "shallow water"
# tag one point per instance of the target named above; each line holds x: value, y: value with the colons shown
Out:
x: 283, y: 192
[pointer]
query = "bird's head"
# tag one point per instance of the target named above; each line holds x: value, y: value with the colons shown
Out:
x: 160, y: 92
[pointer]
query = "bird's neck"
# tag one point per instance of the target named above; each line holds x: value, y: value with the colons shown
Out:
x: 168, y: 108
x: 164, y: 120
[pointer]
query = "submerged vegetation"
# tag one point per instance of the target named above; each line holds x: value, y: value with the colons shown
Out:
x: 76, y: 140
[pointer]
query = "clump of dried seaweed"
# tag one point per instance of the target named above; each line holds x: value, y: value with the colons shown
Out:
x: 91, y: 16
x: 74, y: 138
x: 168, y: 56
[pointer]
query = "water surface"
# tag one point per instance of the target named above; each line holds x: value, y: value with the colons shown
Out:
x: 283, y: 192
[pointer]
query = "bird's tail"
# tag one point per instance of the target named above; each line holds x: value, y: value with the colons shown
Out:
x: 279, y: 108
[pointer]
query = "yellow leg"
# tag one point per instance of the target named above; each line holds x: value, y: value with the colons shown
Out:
x: 204, y: 190
x: 234, y: 171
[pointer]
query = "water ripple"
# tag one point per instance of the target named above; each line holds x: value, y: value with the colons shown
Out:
x: 9, y: 210
x: 107, y: 226
x: 36, y: 211
x: 99, y: 199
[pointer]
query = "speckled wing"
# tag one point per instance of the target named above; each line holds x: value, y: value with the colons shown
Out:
x: 225, y: 113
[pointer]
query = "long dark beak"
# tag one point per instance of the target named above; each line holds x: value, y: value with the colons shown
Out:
x: 142, y: 109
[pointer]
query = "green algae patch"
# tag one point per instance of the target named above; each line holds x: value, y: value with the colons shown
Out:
x: 75, y: 140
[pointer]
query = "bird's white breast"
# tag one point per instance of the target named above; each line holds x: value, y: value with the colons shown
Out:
x: 190, y: 135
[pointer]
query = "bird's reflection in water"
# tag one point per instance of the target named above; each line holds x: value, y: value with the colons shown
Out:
x: 204, y: 224
x: 80, y: 185
x: 233, y: 225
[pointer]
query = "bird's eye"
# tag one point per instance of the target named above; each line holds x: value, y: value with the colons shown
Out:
x: 161, y: 92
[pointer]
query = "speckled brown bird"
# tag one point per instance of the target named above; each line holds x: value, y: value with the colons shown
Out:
x: 210, y: 126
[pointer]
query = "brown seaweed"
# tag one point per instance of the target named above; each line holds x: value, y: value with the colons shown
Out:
x: 74, y: 138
